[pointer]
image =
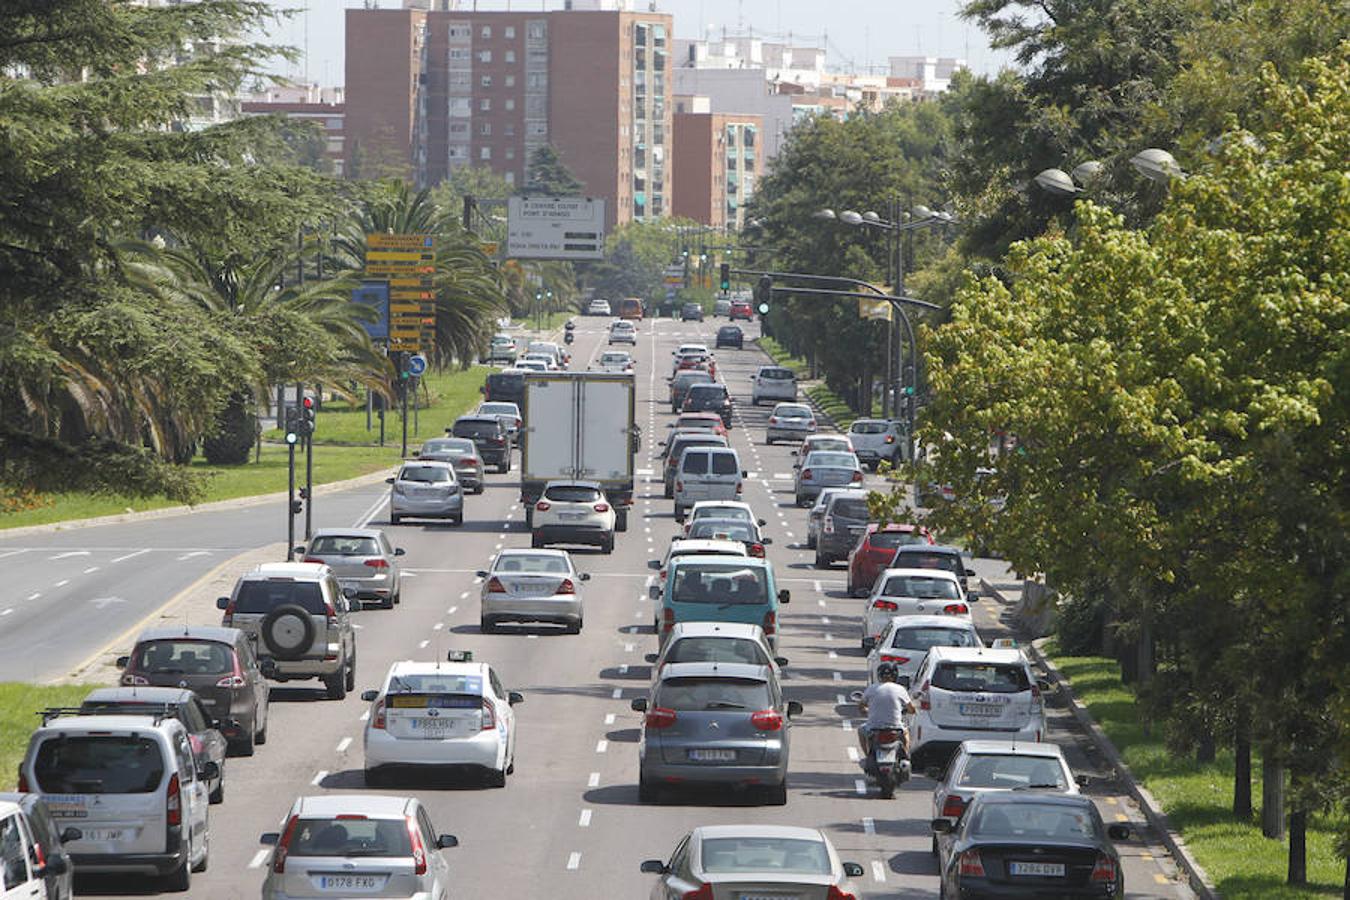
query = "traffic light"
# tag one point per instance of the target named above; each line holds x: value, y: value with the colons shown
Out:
x: 292, y: 424
x: 763, y: 294
x: 297, y: 506
x: 306, y: 423
x: 726, y: 276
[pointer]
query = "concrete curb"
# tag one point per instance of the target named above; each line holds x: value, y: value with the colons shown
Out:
x: 1198, y: 880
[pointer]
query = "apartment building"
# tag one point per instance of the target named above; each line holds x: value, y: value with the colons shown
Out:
x: 310, y: 103
x: 436, y: 89
x: 719, y: 158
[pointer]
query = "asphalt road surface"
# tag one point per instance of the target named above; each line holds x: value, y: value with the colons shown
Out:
x: 568, y: 824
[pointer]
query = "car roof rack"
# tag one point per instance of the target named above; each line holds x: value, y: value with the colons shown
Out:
x: 157, y: 711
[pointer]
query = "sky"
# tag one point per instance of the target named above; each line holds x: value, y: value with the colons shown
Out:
x: 856, y: 33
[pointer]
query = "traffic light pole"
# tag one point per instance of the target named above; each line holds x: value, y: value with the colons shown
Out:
x: 403, y: 389
x: 290, y: 503
x: 309, y: 487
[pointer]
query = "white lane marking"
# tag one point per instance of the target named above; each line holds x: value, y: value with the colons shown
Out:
x: 323, y: 773
x: 839, y: 699
x: 259, y: 858
x: 853, y: 754
x: 820, y: 588
x: 824, y: 620
x: 637, y: 613
x: 584, y: 820
x: 601, y: 746
x: 438, y: 626
x: 371, y: 512
x: 453, y: 610
x: 532, y: 637
x: 789, y: 534
x: 828, y: 636
x: 846, y: 724
x: 423, y: 645
x: 499, y: 546
x: 91, y: 569
x: 820, y: 601
x: 782, y: 475
x: 193, y: 553
x: 623, y: 669
x: 837, y: 676
x: 609, y: 718
x: 869, y: 825
x: 860, y: 786
x: 878, y: 871
x: 34, y: 595
x: 9, y: 553
x: 63, y: 582
x: 5, y: 613
x: 834, y: 654
x: 133, y: 556
x: 628, y: 648
x: 344, y: 744
x: 406, y: 574
x: 574, y: 861
x: 617, y: 693
x: 70, y: 553
x: 364, y: 716
x: 594, y: 780
x: 464, y: 596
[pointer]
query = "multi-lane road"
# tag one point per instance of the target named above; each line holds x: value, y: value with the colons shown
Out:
x: 568, y: 824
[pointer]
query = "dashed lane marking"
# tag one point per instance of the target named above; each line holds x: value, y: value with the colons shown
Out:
x: 364, y: 716
x: 869, y: 825
x: 609, y: 718
x: 34, y: 596
x: 584, y: 820
x: 837, y: 676
x: 574, y: 861
x: 853, y: 754
x: 878, y: 871
x: 860, y: 787
x: 820, y: 588
x: 344, y: 744
x: 594, y: 780
x: 193, y: 553
x: 617, y: 693
x: 846, y: 724
x: 69, y: 553
x: 259, y: 858
x: 323, y: 773
x: 601, y: 746
x: 438, y: 626
x: 423, y: 645
x: 834, y: 654
x: 453, y: 610
x: 62, y: 583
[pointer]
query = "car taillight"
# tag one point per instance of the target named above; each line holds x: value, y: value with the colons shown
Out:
x: 857, y: 476
x: 542, y: 506
x: 955, y: 609
x: 890, y: 439
x: 173, y: 802
x: 806, y: 474
x: 740, y: 488
x: 667, y: 619
x: 767, y: 720
x: 757, y: 551
x: 898, y: 660
x: 971, y: 864
x: 601, y: 507
x: 332, y: 612
x: 1104, y: 869
x: 495, y: 586
x: 921, y: 695
x: 827, y: 525
x: 227, y: 620
x: 312, y: 559
x: 232, y: 681
x: 470, y: 461
x: 23, y: 783
x: 419, y: 852
x: 567, y: 587
x: 771, y: 622
x: 489, y: 720
x: 497, y: 440
x: 836, y: 894
x: 953, y: 806
x: 284, y: 846
x: 773, y: 420
x: 519, y: 422
x: 377, y: 564
x: 377, y: 715
x: 886, y: 605
x: 660, y: 717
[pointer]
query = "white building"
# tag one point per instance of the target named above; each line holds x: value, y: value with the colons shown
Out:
x: 738, y: 91
x: 934, y: 72
x: 780, y: 62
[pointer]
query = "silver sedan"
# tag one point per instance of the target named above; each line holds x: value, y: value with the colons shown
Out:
x: 362, y: 559
x: 753, y: 861
x: 532, y: 586
x: 826, y: 468
x: 790, y: 422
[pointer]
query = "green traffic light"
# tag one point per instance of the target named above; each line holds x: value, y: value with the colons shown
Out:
x: 291, y: 437
x: 764, y: 309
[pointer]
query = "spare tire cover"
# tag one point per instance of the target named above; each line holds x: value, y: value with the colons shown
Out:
x: 288, y: 631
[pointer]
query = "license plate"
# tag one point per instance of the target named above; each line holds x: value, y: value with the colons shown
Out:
x: 767, y: 896
x: 981, y: 709
x: 102, y: 834
x: 529, y: 588
x: 1044, y: 870
x: 571, y: 517
x: 348, y: 882
x: 712, y: 755
x: 438, y: 724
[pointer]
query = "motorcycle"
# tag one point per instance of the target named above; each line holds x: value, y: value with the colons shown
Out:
x: 567, y: 337
x: 885, y: 763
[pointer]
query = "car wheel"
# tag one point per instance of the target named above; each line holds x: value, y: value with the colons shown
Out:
x: 647, y: 792
x: 388, y: 602
x: 206, y: 857
x: 350, y: 682
x: 777, y: 794
x: 395, y: 518
x: 457, y: 520
x: 810, y: 542
x: 244, y: 747
x: 669, y: 493
x: 933, y: 848
x: 496, y: 778
x: 336, y: 685
x: 607, y: 545
x: 218, y: 795
x: 768, y: 441
x: 822, y: 561
x: 621, y: 520
x: 260, y: 737
x: 574, y: 627
x: 479, y: 488
x: 537, y: 541
x: 487, y: 626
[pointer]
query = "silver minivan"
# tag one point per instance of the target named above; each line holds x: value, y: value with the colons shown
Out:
x: 707, y: 473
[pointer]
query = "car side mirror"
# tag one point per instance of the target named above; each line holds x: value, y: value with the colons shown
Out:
x: 794, y: 708
x: 585, y: 576
x: 781, y: 661
x: 654, y: 592
x: 122, y: 661
x: 389, y: 480
x: 1082, y: 780
x: 222, y: 603
x: 651, y: 658
x: 853, y: 870
x: 784, y: 595
x: 934, y: 772
x: 970, y: 572
x: 349, y: 593
x: 268, y: 668
x: 270, y: 838
x: 71, y: 833
x: 208, y: 771
x: 399, y: 551
x: 481, y: 573
x: 1118, y: 831
x: 652, y: 867
x: 446, y: 841
x: 370, y: 696
x: 638, y: 705
x: 766, y: 541
x: 654, y: 564
x: 745, y: 473
x: 941, y: 826
x: 903, y: 681
x: 57, y: 865
x: 300, y: 550
x: 761, y: 523
x: 514, y: 697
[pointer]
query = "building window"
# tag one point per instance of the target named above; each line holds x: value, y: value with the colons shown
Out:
x: 641, y: 38
x: 486, y: 31
x: 510, y: 177
x: 658, y: 35
x: 510, y: 56
x: 510, y: 81
x: 536, y: 129
x: 460, y: 80
x: 536, y: 30
x: 485, y: 56
x: 485, y: 129
x: 641, y: 60
x: 509, y: 129
x: 510, y: 152
x: 536, y: 81
x: 731, y: 135
x: 459, y: 107
x: 485, y: 153
x: 485, y: 104
x: 486, y: 81
x: 460, y: 30
x: 510, y: 103
x: 459, y: 127
x: 536, y: 106
x: 509, y: 32
x: 459, y: 53
x: 457, y: 151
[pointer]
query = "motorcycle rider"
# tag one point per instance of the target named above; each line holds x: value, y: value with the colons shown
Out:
x: 884, y: 703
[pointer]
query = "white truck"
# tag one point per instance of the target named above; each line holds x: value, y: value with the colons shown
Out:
x: 579, y: 426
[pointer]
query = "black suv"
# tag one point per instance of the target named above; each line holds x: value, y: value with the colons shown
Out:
x: 489, y: 436
x: 709, y: 398
x: 691, y: 312
x: 505, y: 387
x: 730, y: 336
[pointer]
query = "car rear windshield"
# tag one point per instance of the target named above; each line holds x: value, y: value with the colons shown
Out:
x: 572, y: 493
x: 982, y: 678
x: 921, y: 587
x: 717, y: 649
x: 442, y: 684
x: 837, y: 444
x: 506, y: 381
x: 777, y: 374
x: 424, y: 474
x: 498, y: 409
x: 722, y: 512
x: 832, y: 460
x: 694, y: 463
x: 350, y: 838
x: 721, y: 583
x: 794, y: 411
x: 706, y: 529
x: 728, y: 331
x: 988, y: 770
x: 531, y: 563
x: 614, y: 358
x: 850, y: 508
x: 450, y: 448
x: 869, y: 428
x: 706, y: 693
x: 685, y: 379
x: 921, y: 638
x: 336, y: 545
x: 889, y: 540
x: 1025, y: 821
x: 946, y: 562
x: 725, y: 464
x: 767, y: 855
x: 707, y: 392
x: 703, y: 440
x: 180, y: 657
x: 98, y: 764
x: 266, y: 595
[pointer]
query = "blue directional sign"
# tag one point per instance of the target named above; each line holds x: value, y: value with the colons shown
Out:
x: 417, y: 364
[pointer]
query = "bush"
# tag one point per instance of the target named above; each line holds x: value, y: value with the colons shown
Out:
x: 236, y: 430
x: 1079, y: 625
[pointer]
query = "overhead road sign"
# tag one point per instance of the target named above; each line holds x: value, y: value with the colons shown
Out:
x: 555, y: 228
x: 380, y: 241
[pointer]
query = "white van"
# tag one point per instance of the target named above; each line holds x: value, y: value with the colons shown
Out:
x: 707, y: 473
x: 132, y: 786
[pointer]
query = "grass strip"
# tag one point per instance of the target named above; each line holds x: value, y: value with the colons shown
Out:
x: 1198, y: 797
x: 19, y: 705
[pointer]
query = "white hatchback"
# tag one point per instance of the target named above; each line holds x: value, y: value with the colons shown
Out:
x: 573, y: 512
x: 905, y: 639
x: 441, y: 715
x: 911, y: 592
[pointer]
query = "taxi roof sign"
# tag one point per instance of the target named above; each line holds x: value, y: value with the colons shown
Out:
x: 459, y: 656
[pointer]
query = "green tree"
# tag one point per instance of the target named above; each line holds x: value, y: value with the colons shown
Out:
x: 547, y: 174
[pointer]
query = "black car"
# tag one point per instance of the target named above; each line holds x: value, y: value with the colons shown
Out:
x: 709, y: 398
x: 691, y: 312
x: 505, y: 387
x: 730, y: 336
x: 1028, y: 845
x: 489, y: 436
x: 48, y: 838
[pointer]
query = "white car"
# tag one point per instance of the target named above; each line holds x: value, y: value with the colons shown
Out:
x: 573, y: 512
x: 721, y: 509
x: 623, y: 332
x: 905, y: 639
x: 972, y: 693
x: 549, y: 361
x: 911, y: 592
x: 559, y: 353
x: 598, y: 307
x: 532, y: 586
x: 619, y: 361
x: 790, y: 422
x: 441, y: 715
x: 357, y: 845
x: 773, y: 383
x: 835, y: 443
x: 753, y: 861
x: 532, y: 365
x: 686, y: 547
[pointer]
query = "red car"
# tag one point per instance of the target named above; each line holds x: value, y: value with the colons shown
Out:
x: 698, y: 362
x: 702, y: 421
x: 740, y: 310
x: 874, y: 552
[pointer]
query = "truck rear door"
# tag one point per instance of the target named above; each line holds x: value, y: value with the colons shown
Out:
x: 606, y: 411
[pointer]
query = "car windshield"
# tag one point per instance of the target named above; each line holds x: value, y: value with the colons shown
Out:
x: 922, y: 587
x: 988, y: 770
x: 339, y: 545
x: 179, y: 657
x: 350, y: 837
x: 727, y: 584
x: 614, y: 359
x: 1033, y: 820
x: 769, y: 855
x: 869, y: 428
x: 979, y: 677
x: 685, y: 379
x: 793, y: 412
x: 851, y: 508
x: 839, y: 444
x: 98, y: 764
x: 923, y: 637
x: 776, y: 374
x: 424, y: 474
x: 946, y: 562
x: 717, y: 649
x: 889, y: 540
x: 506, y: 381
x: 572, y: 493
x: 263, y: 596
x: 706, y: 392
x: 721, y: 529
x: 833, y: 460
x: 714, y: 692
x: 531, y: 563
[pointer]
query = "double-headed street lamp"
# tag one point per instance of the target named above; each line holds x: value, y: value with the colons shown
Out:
x: 1155, y: 164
